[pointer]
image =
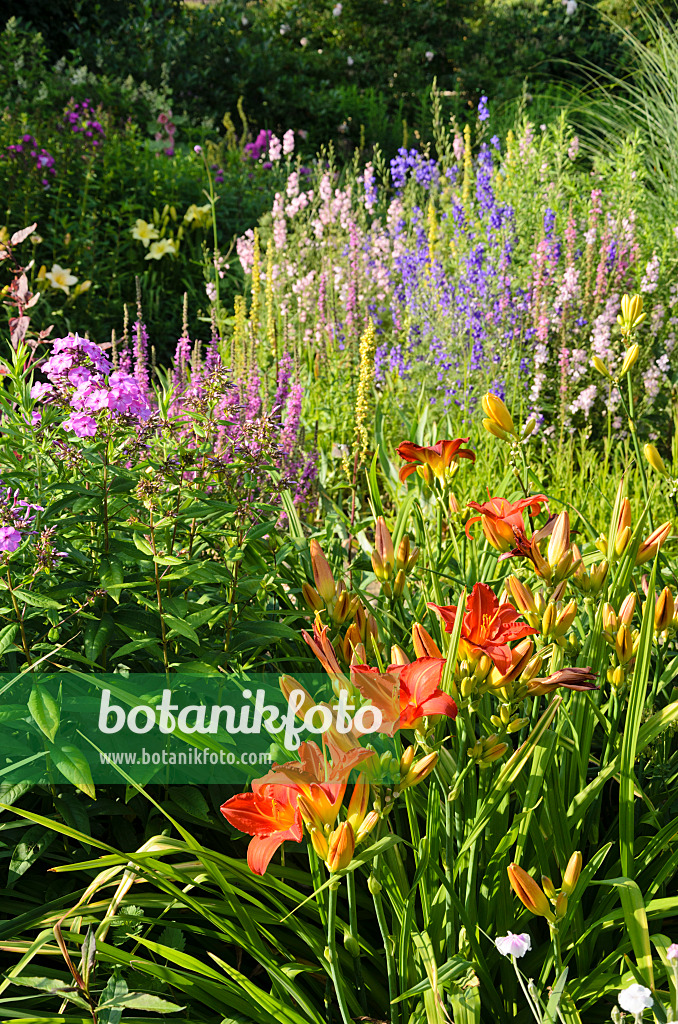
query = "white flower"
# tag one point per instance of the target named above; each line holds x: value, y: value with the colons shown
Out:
x: 60, y: 278
x: 284, y: 29
x: 144, y: 232
x: 159, y: 249
x: 303, y: 41
x: 350, y: 61
x: 513, y: 945
x: 337, y: 9
x: 635, y: 999
x: 570, y: 7
x: 672, y: 951
x: 429, y: 55
x: 244, y: 21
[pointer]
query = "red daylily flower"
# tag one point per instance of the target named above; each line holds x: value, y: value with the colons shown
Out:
x: 323, y: 784
x: 405, y: 694
x: 433, y: 460
x: 487, y: 627
x: 502, y: 520
x: 270, y: 815
x: 572, y: 678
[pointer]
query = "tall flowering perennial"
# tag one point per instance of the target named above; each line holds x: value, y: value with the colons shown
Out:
x: 365, y: 389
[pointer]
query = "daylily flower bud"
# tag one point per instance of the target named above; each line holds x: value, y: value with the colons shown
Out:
x: 413, y: 559
x: 482, y: 669
x: 529, y: 427
x: 598, y: 574
x: 492, y: 428
x: 616, y: 676
x: 399, y: 583
x: 357, y: 807
x: 623, y: 527
x: 406, y: 760
x: 559, y: 541
x: 341, y: 847
x: 424, y: 644
x: 359, y: 656
x: 383, y: 546
x: 529, y: 893
x: 398, y: 656
x: 522, y: 595
x: 419, y: 771
x: 664, y: 610
x: 632, y: 315
x: 403, y: 554
x: 565, y: 618
x: 561, y: 906
x: 655, y: 459
x: 532, y: 669
x: 378, y: 566
x: 624, y: 644
x: 609, y: 618
x: 600, y: 366
x: 324, y: 580
x: 312, y: 597
x: 572, y: 872
x: 630, y: 358
x: 351, y: 640
x: 493, y: 754
x: 496, y: 411
x: 548, y: 887
x: 548, y: 619
x: 627, y: 608
x: 369, y: 823
x: 342, y: 608
x: 651, y: 545
x: 601, y: 544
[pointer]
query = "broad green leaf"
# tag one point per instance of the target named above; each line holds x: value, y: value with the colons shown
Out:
x: 112, y: 578
x: 74, y: 767
x: 33, y: 844
x: 44, y: 710
x: 181, y: 627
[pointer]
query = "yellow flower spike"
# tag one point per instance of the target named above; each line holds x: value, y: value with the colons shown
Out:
x: 529, y: 893
x: 600, y: 366
x: 496, y: 411
x: 630, y: 359
x: 341, y: 847
x: 664, y: 610
x: 322, y: 574
x: 572, y: 872
x: 651, y: 545
x: 655, y: 459
x: 624, y: 644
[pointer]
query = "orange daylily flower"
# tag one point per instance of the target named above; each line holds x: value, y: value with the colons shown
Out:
x: 405, y: 694
x: 502, y: 520
x: 433, y: 460
x: 487, y: 627
x: 270, y: 815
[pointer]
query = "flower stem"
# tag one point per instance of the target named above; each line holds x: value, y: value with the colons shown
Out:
x: 331, y: 951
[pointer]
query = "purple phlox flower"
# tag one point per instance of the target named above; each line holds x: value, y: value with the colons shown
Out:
x: 80, y: 424
x: 483, y: 109
x: 9, y: 538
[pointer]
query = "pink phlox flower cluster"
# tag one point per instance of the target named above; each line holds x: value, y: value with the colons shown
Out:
x: 602, y: 331
x: 80, y: 379
x: 584, y: 401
